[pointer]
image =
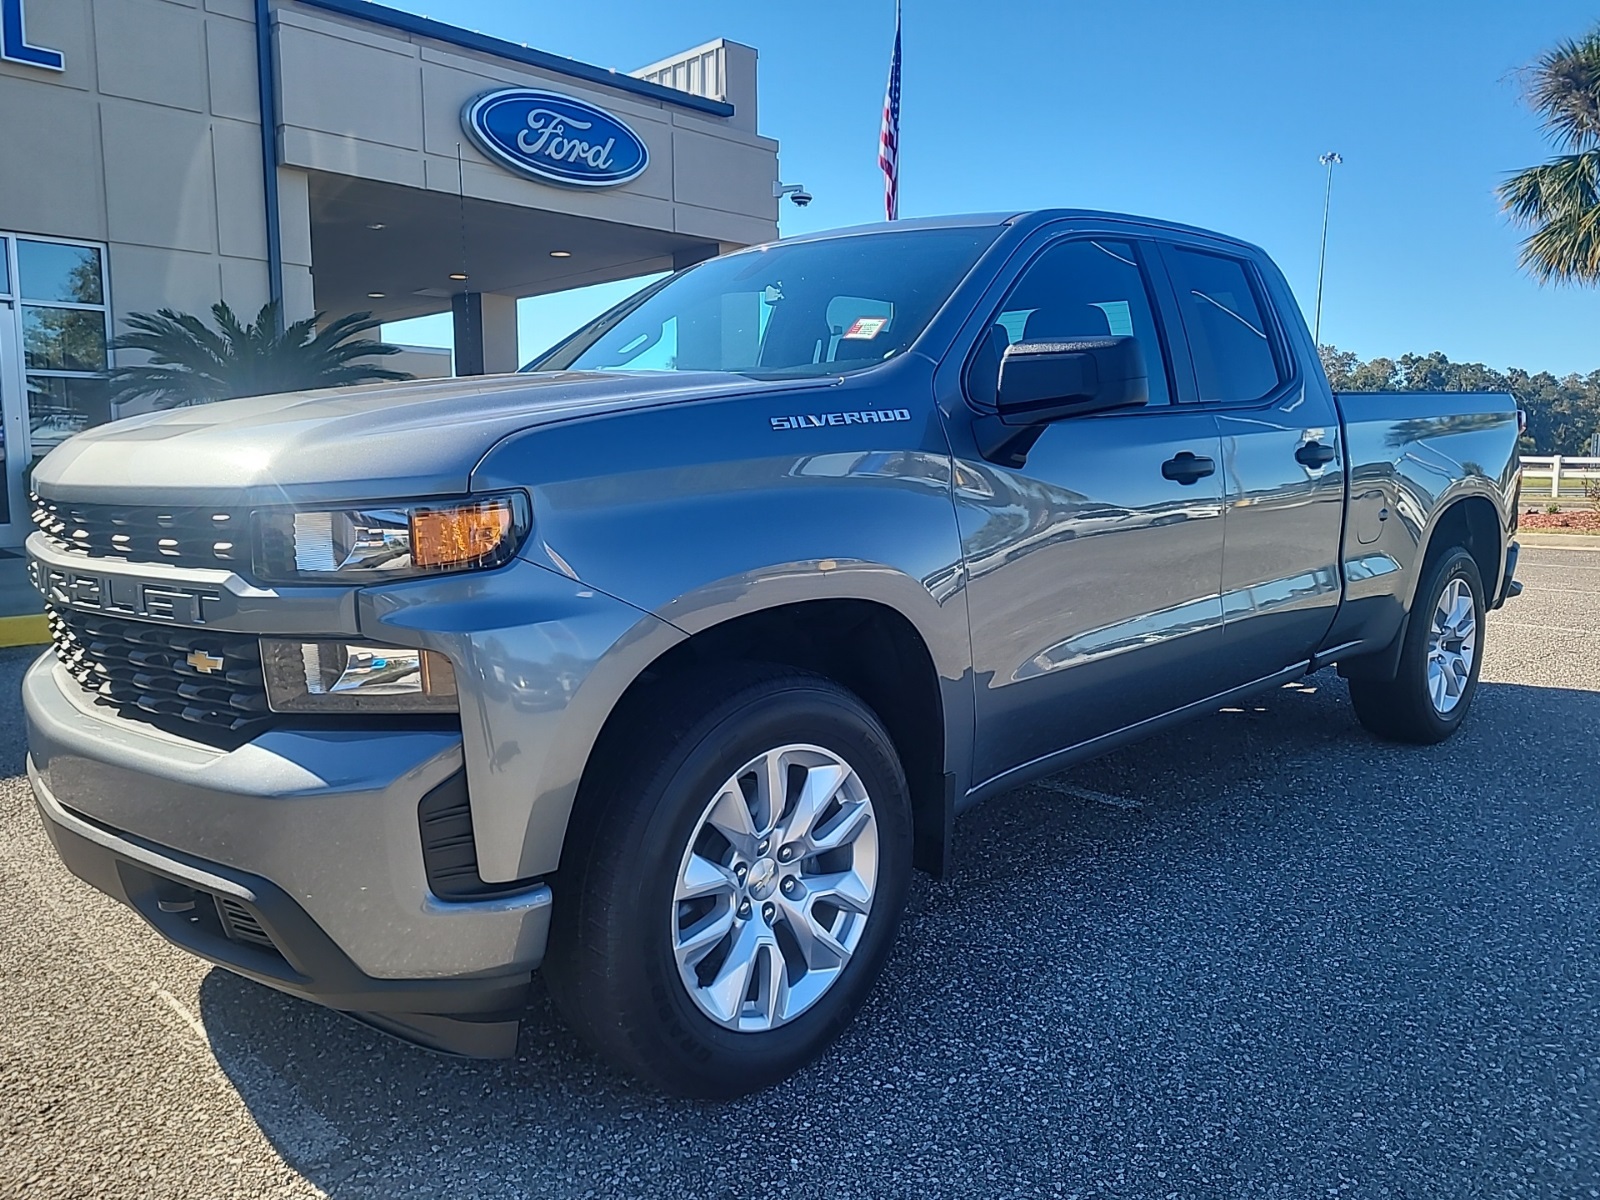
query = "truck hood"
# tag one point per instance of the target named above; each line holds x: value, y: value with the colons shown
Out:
x: 418, y: 438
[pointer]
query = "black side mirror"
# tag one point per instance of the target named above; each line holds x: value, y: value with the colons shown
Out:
x: 1049, y: 381
x: 1041, y: 382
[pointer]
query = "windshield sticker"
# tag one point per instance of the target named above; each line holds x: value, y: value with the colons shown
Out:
x: 866, y: 327
x: 876, y: 416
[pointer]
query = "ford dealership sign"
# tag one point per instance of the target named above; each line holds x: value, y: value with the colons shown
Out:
x: 555, y: 138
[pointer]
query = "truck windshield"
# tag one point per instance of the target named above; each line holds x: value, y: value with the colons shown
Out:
x: 805, y: 308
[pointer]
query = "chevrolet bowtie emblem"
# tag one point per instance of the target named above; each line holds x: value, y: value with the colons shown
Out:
x: 203, y: 662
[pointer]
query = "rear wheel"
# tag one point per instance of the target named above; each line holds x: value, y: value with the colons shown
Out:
x: 1439, y: 662
x: 737, y: 887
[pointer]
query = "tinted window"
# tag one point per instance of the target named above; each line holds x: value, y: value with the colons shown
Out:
x: 61, y: 405
x: 63, y: 339
x: 52, y: 271
x: 804, y: 308
x: 1085, y: 288
x: 1229, y: 336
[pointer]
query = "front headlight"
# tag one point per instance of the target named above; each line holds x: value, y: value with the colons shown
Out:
x: 351, y: 677
x: 378, y: 542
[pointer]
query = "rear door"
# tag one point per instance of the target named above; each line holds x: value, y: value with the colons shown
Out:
x: 1093, y: 570
x: 1282, y: 457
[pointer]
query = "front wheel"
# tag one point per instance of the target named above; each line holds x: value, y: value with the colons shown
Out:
x: 738, y: 887
x: 1439, y: 661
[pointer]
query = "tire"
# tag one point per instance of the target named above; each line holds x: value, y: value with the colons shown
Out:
x: 625, y: 965
x: 1422, y: 705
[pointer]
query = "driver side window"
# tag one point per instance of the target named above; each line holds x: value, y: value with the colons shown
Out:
x: 1087, y: 287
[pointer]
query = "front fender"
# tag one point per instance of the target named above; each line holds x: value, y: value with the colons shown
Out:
x: 702, y: 513
x: 540, y: 663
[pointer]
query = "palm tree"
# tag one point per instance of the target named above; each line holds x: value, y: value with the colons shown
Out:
x: 193, y: 364
x: 1560, y: 200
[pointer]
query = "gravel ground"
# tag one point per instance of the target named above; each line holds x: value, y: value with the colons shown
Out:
x: 1261, y: 956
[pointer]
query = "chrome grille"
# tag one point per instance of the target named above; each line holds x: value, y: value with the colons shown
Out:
x: 145, y: 669
x: 185, y: 536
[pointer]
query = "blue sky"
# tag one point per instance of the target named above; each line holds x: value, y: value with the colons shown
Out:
x: 1212, y: 113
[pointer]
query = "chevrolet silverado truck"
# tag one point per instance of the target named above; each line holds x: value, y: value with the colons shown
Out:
x: 659, y: 666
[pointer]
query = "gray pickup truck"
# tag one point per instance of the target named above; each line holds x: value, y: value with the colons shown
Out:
x: 661, y: 665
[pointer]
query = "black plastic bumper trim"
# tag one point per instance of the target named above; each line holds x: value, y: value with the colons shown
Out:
x: 475, y: 1016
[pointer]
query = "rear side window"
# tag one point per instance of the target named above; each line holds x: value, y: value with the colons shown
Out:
x: 1082, y: 288
x: 1230, y: 338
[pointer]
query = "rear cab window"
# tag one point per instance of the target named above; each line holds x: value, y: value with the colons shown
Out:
x: 1232, y: 339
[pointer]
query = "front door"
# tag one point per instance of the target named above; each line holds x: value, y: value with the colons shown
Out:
x: 1094, y: 571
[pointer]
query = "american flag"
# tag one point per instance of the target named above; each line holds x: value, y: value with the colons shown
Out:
x: 889, y: 135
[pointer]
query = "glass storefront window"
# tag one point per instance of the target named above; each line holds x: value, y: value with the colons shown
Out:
x: 63, y: 339
x: 52, y: 271
x: 54, y: 354
x: 59, y: 407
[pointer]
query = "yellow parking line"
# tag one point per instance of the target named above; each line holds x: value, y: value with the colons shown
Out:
x: 24, y: 631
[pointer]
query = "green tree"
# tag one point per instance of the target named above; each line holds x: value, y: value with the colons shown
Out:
x: 191, y: 363
x: 1347, y: 373
x: 1338, y: 365
x: 1560, y: 199
x: 1563, y: 413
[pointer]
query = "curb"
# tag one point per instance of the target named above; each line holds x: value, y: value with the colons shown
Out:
x: 1559, y: 541
x: 33, y: 630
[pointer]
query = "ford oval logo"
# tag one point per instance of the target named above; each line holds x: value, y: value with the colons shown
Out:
x: 555, y: 138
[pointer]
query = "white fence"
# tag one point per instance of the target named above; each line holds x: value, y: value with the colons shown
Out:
x: 1564, y: 477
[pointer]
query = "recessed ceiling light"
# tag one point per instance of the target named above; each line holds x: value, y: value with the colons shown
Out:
x: 561, y: 254
x: 376, y: 225
x: 458, y: 275
x: 376, y: 295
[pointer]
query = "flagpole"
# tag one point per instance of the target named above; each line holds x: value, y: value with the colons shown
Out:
x: 889, y: 131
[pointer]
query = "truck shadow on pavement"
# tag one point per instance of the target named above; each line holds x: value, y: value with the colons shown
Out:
x: 1258, y: 955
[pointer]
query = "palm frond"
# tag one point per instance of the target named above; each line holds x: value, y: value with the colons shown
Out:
x: 357, y: 349
x: 171, y: 337
x: 346, y: 376
x: 191, y: 363
x: 301, y: 333
x: 1562, y: 185
x: 167, y: 386
x: 1563, y: 88
x: 1560, y: 199
x: 348, y: 327
x: 234, y: 336
x: 1565, y: 248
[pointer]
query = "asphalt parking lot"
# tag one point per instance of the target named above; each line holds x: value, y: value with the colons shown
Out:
x: 1262, y: 956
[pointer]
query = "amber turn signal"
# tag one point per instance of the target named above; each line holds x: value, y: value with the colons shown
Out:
x: 463, y: 535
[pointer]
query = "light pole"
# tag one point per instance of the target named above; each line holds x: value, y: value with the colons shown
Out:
x: 1329, y: 160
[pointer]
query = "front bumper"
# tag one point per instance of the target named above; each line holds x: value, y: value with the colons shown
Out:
x: 309, y: 837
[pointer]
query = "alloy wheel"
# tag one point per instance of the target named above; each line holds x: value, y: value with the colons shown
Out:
x: 775, y: 888
x: 1452, y: 645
